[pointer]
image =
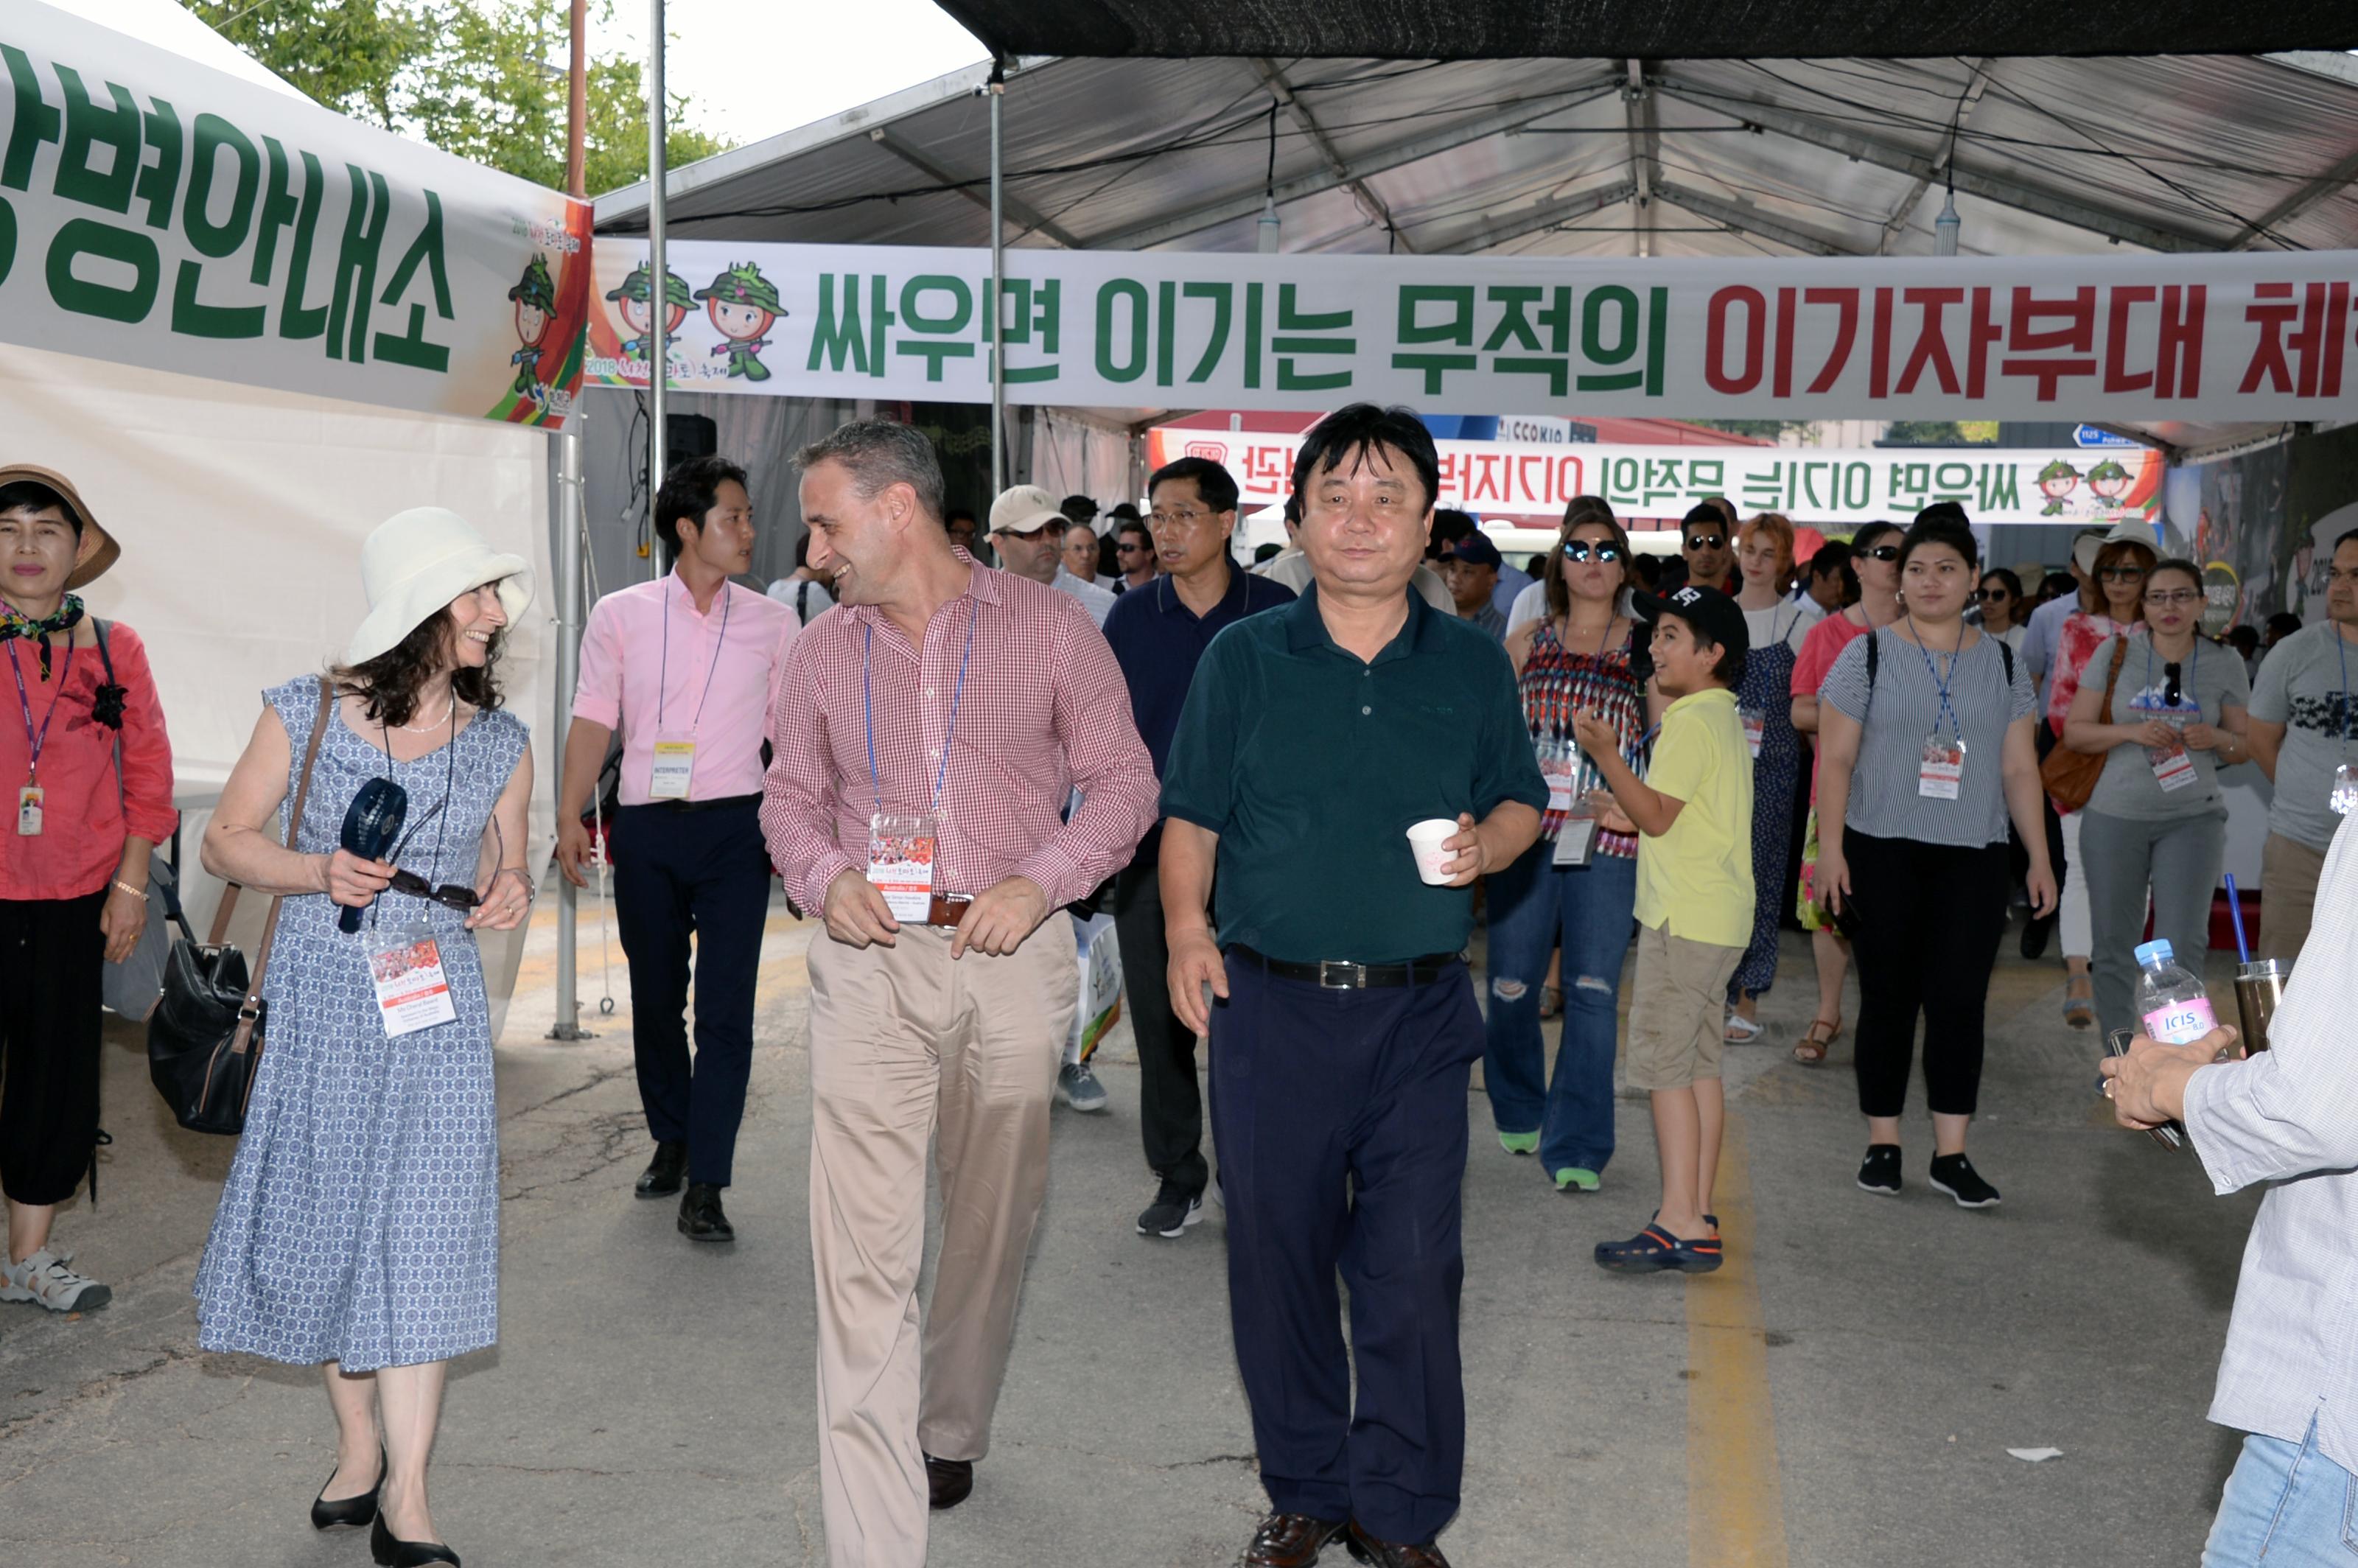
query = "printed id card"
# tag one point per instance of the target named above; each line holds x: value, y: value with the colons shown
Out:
x: 1576, y: 842
x: 675, y: 767
x: 902, y: 850
x: 2172, y: 765
x: 2345, y: 798
x: 406, y: 965
x: 1560, y: 766
x: 28, y: 810
x: 1942, y: 775
x: 1756, y: 725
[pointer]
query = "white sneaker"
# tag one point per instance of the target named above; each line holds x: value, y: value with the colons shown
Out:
x: 44, y: 1278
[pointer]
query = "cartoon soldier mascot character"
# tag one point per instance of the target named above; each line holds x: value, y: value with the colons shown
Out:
x: 742, y: 304
x: 635, y: 300
x: 535, y: 301
x: 2057, y: 480
x: 2110, y: 480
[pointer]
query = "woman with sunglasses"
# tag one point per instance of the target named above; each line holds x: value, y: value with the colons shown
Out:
x: 1577, y: 657
x: 2156, y: 819
x: 1777, y: 627
x: 359, y: 1228
x: 1875, y: 557
x: 2112, y: 603
x: 1999, y: 600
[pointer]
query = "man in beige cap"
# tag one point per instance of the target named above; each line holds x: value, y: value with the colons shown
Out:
x: 1028, y: 532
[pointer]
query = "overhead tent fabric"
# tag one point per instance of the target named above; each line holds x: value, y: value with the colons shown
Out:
x: 1497, y: 29
x: 1672, y: 156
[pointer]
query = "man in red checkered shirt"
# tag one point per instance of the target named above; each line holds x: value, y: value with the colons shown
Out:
x: 929, y: 734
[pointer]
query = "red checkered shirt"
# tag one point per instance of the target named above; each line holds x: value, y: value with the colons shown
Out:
x: 1045, y: 711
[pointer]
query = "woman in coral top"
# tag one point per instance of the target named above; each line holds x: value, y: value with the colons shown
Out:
x: 73, y: 856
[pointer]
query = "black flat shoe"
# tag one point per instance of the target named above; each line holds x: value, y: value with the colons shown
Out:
x: 701, y: 1217
x: 948, y: 1482
x: 392, y: 1553
x: 664, y: 1171
x: 356, y: 1512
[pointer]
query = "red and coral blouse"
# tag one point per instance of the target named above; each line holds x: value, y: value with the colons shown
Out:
x: 84, y: 819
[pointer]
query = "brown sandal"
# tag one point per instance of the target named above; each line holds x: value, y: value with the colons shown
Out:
x: 1811, y: 1050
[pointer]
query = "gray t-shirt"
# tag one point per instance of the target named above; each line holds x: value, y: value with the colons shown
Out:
x: 2302, y: 687
x: 2211, y: 678
x: 1885, y: 797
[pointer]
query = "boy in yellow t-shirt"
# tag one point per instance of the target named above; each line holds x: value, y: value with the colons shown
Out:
x: 1693, y: 813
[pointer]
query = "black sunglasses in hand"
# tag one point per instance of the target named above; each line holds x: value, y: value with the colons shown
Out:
x: 451, y: 895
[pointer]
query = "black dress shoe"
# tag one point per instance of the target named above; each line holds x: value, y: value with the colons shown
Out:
x: 700, y: 1214
x: 1366, y: 1548
x: 390, y: 1553
x: 948, y: 1480
x: 664, y: 1171
x: 2035, y: 932
x: 1290, y: 1541
x: 358, y: 1512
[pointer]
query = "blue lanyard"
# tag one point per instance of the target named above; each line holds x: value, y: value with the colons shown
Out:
x: 1942, y: 682
x: 868, y: 711
x: 663, y: 676
x: 25, y: 706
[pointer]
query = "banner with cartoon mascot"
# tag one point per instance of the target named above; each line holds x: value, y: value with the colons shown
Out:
x: 157, y: 212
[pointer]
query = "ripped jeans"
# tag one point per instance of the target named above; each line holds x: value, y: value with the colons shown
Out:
x: 1530, y: 903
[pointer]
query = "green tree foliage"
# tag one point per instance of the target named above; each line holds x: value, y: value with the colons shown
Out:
x: 482, y: 78
x: 1941, y: 433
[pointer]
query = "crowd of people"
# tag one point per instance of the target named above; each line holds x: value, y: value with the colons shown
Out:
x: 1285, y: 786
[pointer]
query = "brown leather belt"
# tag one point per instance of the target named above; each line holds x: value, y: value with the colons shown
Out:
x: 1348, y: 976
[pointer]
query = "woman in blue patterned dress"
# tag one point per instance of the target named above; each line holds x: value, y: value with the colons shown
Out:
x: 359, y: 1228
x: 1577, y: 655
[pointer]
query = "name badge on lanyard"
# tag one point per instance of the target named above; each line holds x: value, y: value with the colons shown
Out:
x: 1943, y: 774
x: 674, y: 772
x: 405, y: 967
x: 30, y: 796
x: 28, y: 811
x: 1559, y: 760
x: 904, y: 847
x: 675, y: 767
x: 1756, y: 725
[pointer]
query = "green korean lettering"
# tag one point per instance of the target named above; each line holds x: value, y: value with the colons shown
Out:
x: 915, y: 320
x: 1166, y: 329
x: 79, y: 237
x: 354, y: 284
x: 836, y: 337
x: 1291, y: 317
x: 32, y: 122
x: 157, y: 181
x: 206, y: 237
x: 8, y: 238
x: 1215, y: 342
x: 89, y: 127
x: 1455, y: 327
x: 1133, y: 291
x: 1619, y: 349
x: 1553, y: 360
x: 411, y: 348
x: 280, y: 208
x: 2000, y: 487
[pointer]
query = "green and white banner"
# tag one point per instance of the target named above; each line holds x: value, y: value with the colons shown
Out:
x: 157, y: 213
x: 2240, y: 337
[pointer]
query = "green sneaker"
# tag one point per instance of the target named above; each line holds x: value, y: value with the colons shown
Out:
x: 1576, y: 1178
x: 1520, y: 1142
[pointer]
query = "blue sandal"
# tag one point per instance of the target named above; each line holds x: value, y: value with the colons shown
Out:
x: 1655, y: 1250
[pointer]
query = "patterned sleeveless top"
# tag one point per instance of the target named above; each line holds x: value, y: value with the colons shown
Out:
x: 1555, y: 681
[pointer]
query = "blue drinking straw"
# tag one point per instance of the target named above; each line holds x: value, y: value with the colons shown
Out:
x: 2236, y: 914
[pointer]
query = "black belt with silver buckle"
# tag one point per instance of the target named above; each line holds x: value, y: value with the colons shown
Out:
x: 1346, y: 977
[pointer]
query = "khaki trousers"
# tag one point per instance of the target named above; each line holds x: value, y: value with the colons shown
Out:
x: 909, y: 1046
x: 2288, y: 872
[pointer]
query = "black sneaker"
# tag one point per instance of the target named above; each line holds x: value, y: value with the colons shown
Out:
x: 1954, y: 1174
x: 1879, y: 1172
x: 1174, y: 1208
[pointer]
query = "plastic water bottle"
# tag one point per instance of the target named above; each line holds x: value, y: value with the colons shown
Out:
x: 2172, y: 1003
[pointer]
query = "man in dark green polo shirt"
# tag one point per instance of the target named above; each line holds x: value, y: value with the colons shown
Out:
x: 1313, y: 736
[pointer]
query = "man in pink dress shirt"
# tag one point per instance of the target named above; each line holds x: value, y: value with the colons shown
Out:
x: 929, y: 733
x: 687, y: 667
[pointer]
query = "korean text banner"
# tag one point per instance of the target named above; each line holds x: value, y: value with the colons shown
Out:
x: 2258, y: 336
x: 157, y: 213
x: 1822, y: 487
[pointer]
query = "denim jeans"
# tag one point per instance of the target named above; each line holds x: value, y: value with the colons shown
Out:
x: 1531, y: 901
x: 2288, y: 1504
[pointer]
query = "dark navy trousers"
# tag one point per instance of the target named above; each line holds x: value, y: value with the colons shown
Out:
x: 706, y: 874
x: 1340, y: 1121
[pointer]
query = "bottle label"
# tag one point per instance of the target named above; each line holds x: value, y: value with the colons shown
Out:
x: 2180, y: 1023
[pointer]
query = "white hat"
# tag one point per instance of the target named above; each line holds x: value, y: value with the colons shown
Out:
x: 1024, y: 509
x: 414, y: 563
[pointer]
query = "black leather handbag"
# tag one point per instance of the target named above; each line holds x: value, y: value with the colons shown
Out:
x: 204, y: 1039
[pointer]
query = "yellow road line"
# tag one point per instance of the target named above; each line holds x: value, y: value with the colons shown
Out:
x: 1736, y: 1499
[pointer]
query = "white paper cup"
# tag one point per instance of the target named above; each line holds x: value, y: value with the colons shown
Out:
x: 1425, y: 840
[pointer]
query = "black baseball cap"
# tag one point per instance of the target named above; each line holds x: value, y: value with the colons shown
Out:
x: 1714, y: 617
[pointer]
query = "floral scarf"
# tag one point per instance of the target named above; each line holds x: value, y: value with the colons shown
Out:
x: 15, y: 623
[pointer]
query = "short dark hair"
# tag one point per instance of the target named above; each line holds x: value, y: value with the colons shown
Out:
x: 1942, y: 522
x: 2284, y: 623
x: 955, y: 513
x: 1710, y: 517
x: 690, y: 491
x: 1728, y: 669
x: 1293, y: 511
x: 1214, y: 483
x: 2059, y: 585
x: 1267, y: 552
x: 2351, y: 536
x: 2244, y: 635
x: 1868, y: 533
x: 1449, y: 525
x: 2005, y: 574
x: 32, y: 495
x: 879, y: 454
x: 1359, y: 428
x: 1135, y: 525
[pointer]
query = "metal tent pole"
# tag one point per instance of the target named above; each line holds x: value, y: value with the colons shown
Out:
x: 997, y: 318
x: 568, y: 567
x: 658, y: 268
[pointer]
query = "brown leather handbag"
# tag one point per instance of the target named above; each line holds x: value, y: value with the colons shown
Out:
x: 2070, y: 776
x: 204, y: 1039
